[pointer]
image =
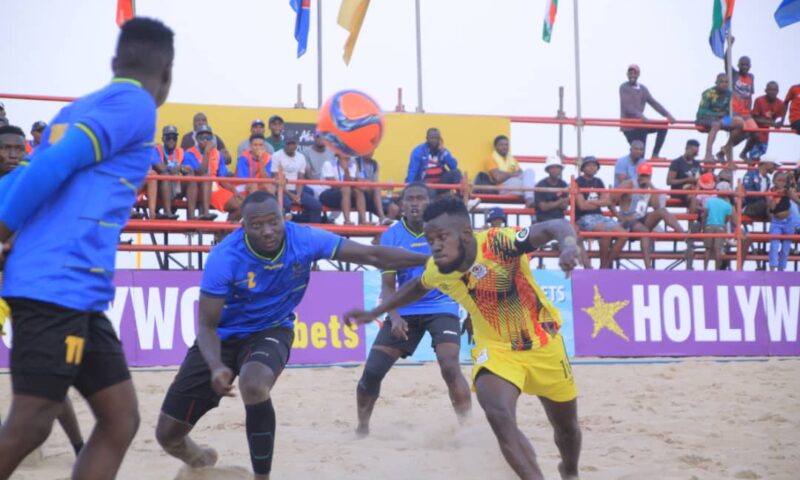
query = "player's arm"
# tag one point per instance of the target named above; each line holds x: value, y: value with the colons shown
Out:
x: 407, y: 294
x: 541, y: 233
x: 388, y: 288
x: 385, y: 258
x: 210, y: 310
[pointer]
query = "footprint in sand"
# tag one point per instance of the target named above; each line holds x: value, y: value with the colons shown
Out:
x: 214, y: 473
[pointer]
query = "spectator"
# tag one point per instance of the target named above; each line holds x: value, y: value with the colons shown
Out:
x: 717, y: 215
x: 317, y: 154
x: 792, y: 103
x: 2, y: 109
x: 189, y: 139
x: 758, y: 180
x: 625, y: 168
x: 781, y: 222
x: 255, y: 162
x: 222, y: 196
x: 294, y: 166
x: 3, y: 121
x: 12, y: 148
x: 431, y: 163
x: 256, y: 128
x: 684, y: 171
x: 589, y: 215
x: 36, y: 136
x: 633, y: 97
x: 342, y: 169
x: 368, y: 170
x: 275, y: 141
x: 495, y: 218
x: 712, y: 116
x: 551, y: 205
x: 504, y: 170
x: 767, y: 112
x: 169, y: 161
x: 743, y: 87
x: 633, y: 210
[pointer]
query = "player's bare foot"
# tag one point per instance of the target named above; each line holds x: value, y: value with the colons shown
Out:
x: 362, y: 431
x: 206, y: 457
x: 564, y: 475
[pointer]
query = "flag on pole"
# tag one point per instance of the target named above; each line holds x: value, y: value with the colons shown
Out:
x: 551, y: 7
x: 125, y: 11
x: 788, y: 13
x: 720, y: 26
x: 351, y: 16
x: 301, y: 22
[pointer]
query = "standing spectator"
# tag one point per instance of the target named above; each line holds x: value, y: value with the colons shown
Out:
x: 222, y: 196
x: 12, y: 148
x: 712, y: 116
x: 368, y: 171
x: 255, y: 162
x: 625, y: 168
x: 189, y: 139
x: 589, y: 215
x: 781, y: 222
x: 294, y: 166
x: 256, y: 128
x: 504, y: 170
x: 495, y: 218
x: 275, y: 141
x: 685, y: 170
x: 551, y: 205
x: 342, y: 169
x: 717, y: 214
x: 758, y: 180
x: 768, y: 110
x: 792, y: 102
x: 317, y: 154
x: 36, y: 136
x: 633, y: 97
x: 743, y: 87
x: 431, y: 163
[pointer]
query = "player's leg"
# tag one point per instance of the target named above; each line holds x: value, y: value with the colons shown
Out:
x: 152, y: 197
x: 661, y: 136
x: 69, y: 423
x: 713, y: 128
x: 619, y: 243
x: 563, y: 417
x: 498, y: 398
x: 445, y: 333
x: 27, y: 426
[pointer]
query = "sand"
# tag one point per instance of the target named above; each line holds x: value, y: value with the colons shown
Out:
x: 694, y: 419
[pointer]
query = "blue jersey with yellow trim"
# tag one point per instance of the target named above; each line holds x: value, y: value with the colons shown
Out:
x: 64, y: 253
x: 399, y: 235
x: 262, y: 292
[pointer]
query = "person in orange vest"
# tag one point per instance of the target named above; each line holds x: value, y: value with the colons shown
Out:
x: 170, y: 162
x: 255, y: 162
x: 36, y: 136
x: 221, y: 195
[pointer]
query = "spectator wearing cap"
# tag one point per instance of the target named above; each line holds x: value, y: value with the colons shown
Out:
x: 504, y: 171
x: 712, y: 116
x: 36, y: 136
x: 685, y: 170
x: 275, y: 141
x: 642, y: 212
x: 495, y: 218
x: 317, y: 155
x: 625, y: 168
x: 12, y: 148
x: 589, y: 214
x: 222, y: 195
x: 431, y: 163
x: 257, y: 127
x: 294, y: 166
x: 255, y: 162
x: 170, y: 162
x: 551, y: 205
x: 768, y: 110
x: 758, y: 180
x: 716, y: 215
x: 190, y: 138
x: 633, y: 97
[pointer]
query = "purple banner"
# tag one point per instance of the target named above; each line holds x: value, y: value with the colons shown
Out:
x: 155, y: 312
x: 622, y: 313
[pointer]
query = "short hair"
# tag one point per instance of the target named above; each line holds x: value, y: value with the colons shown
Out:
x: 417, y: 184
x: 446, y: 205
x: 772, y: 82
x: 145, y: 45
x: 11, y: 130
x: 431, y: 130
x: 692, y: 142
x: 259, y: 196
x: 257, y: 136
x: 720, y: 75
x: 499, y: 138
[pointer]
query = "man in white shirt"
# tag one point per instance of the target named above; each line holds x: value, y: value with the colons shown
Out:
x: 295, y: 167
x: 342, y: 169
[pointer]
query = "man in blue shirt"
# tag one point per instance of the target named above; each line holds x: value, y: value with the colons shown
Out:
x: 67, y: 205
x: 252, y: 283
x: 625, y: 168
x: 400, y: 334
x: 432, y: 163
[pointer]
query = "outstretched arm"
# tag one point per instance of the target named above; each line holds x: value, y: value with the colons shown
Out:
x: 210, y: 310
x: 408, y: 293
x: 562, y: 232
x: 386, y: 258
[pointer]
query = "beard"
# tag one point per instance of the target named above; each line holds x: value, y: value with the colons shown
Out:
x: 452, y: 266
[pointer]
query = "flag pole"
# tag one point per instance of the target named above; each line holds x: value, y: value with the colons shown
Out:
x: 319, y: 53
x: 729, y: 72
x: 419, y: 60
x: 579, y: 119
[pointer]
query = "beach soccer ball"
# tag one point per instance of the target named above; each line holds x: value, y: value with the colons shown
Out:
x: 350, y: 123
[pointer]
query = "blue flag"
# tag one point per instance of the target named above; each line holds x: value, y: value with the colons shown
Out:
x: 303, y: 10
x: 788, y: 13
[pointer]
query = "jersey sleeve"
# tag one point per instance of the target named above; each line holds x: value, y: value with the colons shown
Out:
x: 431, y: 277
x: 217, y: 275
x: 323, y: 244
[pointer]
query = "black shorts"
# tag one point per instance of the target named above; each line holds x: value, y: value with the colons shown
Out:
x: 57, y: 347
x: 443, y: 327
x: 190, y: 396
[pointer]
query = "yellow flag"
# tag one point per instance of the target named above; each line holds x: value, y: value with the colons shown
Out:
x: 351, y: 16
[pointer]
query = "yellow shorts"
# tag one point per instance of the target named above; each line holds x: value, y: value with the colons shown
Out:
x: 544, y: 372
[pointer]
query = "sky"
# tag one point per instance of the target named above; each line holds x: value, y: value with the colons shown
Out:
x: 484, y: 58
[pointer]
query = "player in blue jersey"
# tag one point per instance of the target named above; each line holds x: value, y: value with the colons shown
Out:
x: 404, y: 328
x: 67, y: 204
x: 251, y: 285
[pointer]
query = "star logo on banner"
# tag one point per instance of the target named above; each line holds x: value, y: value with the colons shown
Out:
x: 602, y: 314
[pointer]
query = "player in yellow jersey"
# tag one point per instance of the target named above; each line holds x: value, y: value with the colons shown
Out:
x: 518, y: 348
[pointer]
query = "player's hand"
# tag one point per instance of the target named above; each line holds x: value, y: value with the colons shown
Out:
x: 209, y: 146
x: 222, y: 382
x: 568, y: 259
x: 356, y: 317
x: 399, y: 327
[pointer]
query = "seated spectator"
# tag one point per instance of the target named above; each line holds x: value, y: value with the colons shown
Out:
x: 222, y: 196
x: 551, y: 205
x: 792, y: 104
x: 342, y: 169
x: 712, y: 116
x: 317, y: 154
x: 36, y: 136
x: 634, y: 210
x: 255, y: 162
x: 504, y: 170
x: 742, y: 92
x: 189, y: 139
x: 781, y: 221
x: 256, y: 128
x: 757, y: 180
x: 12, y: 148
x: 275, y: 141
x: 717, y: 213
x: 367, y: 169
x: 768, y: 110
x: 169, y: 161
x: 633, y: 97
x: 684, y: 171
x: 625, y: 168
x: 589, y: 215
x: 294, y: 166
x: 431, y: 163
x: 495, y: 218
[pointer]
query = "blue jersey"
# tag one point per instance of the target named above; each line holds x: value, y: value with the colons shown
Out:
x: 262, y: 292
x: 190, y: 159
x: 65, y: 250
x: 399, y: 235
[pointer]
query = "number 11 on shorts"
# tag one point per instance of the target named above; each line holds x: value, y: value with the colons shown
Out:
x: 74, y: 349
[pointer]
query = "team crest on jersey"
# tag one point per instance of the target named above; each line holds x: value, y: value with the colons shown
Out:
x: 522, y: 235
x: 297, y: 270
x: 478, y: 270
